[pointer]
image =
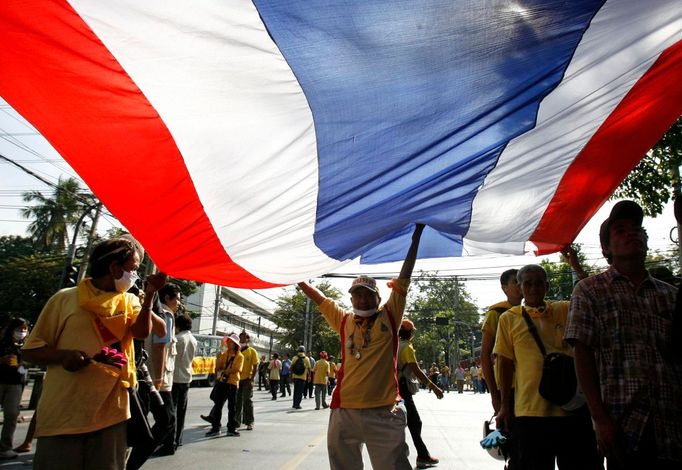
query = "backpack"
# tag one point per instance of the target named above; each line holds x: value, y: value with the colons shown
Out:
x: 298, y: 367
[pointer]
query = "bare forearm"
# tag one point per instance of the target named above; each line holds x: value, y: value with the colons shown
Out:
x: 312, y: 293
x: 586, y: 370
x: 506, y: 378
x: 487, y: 362
x: 44, y: 356
x: 158, y: 362
x: 148, y: 322
x: 408, y: 264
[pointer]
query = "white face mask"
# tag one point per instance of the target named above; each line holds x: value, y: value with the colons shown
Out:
x: 243, y: 345
x: 19, y: 335
x: 364, y: 313
x: 126, y: 281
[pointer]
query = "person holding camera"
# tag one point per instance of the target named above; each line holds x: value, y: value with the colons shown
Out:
x: 544, y: 432
x: 84, y: 335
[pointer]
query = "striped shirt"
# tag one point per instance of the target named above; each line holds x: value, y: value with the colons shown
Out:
x: 629, y: 330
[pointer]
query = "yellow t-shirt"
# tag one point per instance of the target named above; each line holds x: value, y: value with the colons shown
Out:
x: 320, y: 372
x: 332, y: 370
x: 515, y: 342
x: 370, y: 381
x: 250, y: 360
x: 492, y: 318
x: 87, y: 400
x: 298, y: 357
x: 233, y: 372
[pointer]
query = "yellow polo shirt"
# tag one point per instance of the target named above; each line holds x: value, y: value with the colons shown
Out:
x: 490, y: 322
x: 332, y: 370
x: 90, y: 399
x: 370, y: 381
x: 514, y: 341
x: 250, y: 360
x: 320, y: 372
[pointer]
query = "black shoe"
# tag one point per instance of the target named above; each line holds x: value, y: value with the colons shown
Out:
x: 208, y: 419
x: 233, y: 434
x: 297, y: 407
x: 212, y: 432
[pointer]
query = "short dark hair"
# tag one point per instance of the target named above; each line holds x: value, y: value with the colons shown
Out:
x: 183, y: 322
x: 169, y: 290
x: 530, y: 268
x: 116, y: 249
x: 508, y: 274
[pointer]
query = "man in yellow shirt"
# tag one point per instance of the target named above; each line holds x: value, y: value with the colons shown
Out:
x: 333, y: 369
x: 320, y: 377
x: 84, y: 405
x: 511, y: 289
x: 249, y: 374
x: 299, y: 378
x: 363, y: 404
x: 544, y: 432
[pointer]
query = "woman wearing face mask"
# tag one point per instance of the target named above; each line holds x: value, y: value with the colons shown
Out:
x: 12, y: 378
x: 84, y: 405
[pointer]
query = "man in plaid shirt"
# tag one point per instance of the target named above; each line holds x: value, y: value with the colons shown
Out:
x: 620, y: 325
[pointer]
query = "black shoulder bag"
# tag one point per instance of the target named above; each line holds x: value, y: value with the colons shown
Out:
x: 558, y: 384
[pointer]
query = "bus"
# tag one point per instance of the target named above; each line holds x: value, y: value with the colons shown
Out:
x: 203, y: 364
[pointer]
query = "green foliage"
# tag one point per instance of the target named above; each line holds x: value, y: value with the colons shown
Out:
x: 560, y: 276
x: 27, y: 280
x: 12, y: 246
x: 290, y: 318
x: 53, y: 215
x: 656, y: 179
x: 433, y: 298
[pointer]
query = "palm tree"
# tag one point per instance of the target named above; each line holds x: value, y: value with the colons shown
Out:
x: 54, y: 214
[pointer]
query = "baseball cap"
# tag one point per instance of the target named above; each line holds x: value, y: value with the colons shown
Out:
x: 628, y: 210
x: 407, y: 325
x: 301, y: 348
x: 364, y: 281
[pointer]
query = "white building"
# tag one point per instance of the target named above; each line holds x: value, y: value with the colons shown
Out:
x: 239, y: 309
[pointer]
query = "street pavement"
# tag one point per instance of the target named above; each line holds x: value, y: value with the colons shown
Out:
x: 289, y: 439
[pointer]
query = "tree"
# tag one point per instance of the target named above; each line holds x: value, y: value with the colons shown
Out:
x: 445, y: 318
x: 27, y: 282
x: 656, y: 179
x: 53, y: 215
x: 289, y: 317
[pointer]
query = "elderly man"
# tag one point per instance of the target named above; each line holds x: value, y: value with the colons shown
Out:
x: 84, y: 404
x: 363, y: 405
x: 248, y: 376
x: 544, y: 432
x: 627, y: 362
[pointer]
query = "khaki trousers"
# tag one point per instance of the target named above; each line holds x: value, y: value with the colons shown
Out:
x: 382, y: 430
x: 98, y: 450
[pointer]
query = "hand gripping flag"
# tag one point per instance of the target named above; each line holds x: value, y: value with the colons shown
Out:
x: 259, y: 143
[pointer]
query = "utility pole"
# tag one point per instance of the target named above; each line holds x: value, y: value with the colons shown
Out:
x: 216, y: 308
x: 306, y: 319
x: 91, y: 238
x: 454, y: 323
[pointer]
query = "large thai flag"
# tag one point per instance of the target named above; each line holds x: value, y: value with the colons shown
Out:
x: 259, y: 143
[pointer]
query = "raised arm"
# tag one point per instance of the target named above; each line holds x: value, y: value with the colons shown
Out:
x: 572, y: 259
x: 312, y: 293
x: 408, y: 264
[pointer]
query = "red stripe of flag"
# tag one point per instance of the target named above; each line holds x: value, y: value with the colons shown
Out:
x: 636, y: 124
x: 57, y: 73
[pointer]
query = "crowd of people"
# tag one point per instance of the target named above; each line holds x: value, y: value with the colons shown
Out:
x: 121, y: 351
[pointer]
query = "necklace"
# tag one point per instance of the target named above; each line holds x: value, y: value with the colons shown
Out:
x: 366, y: 339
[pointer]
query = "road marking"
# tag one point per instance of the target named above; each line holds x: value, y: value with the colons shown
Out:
x: 304, y: 453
